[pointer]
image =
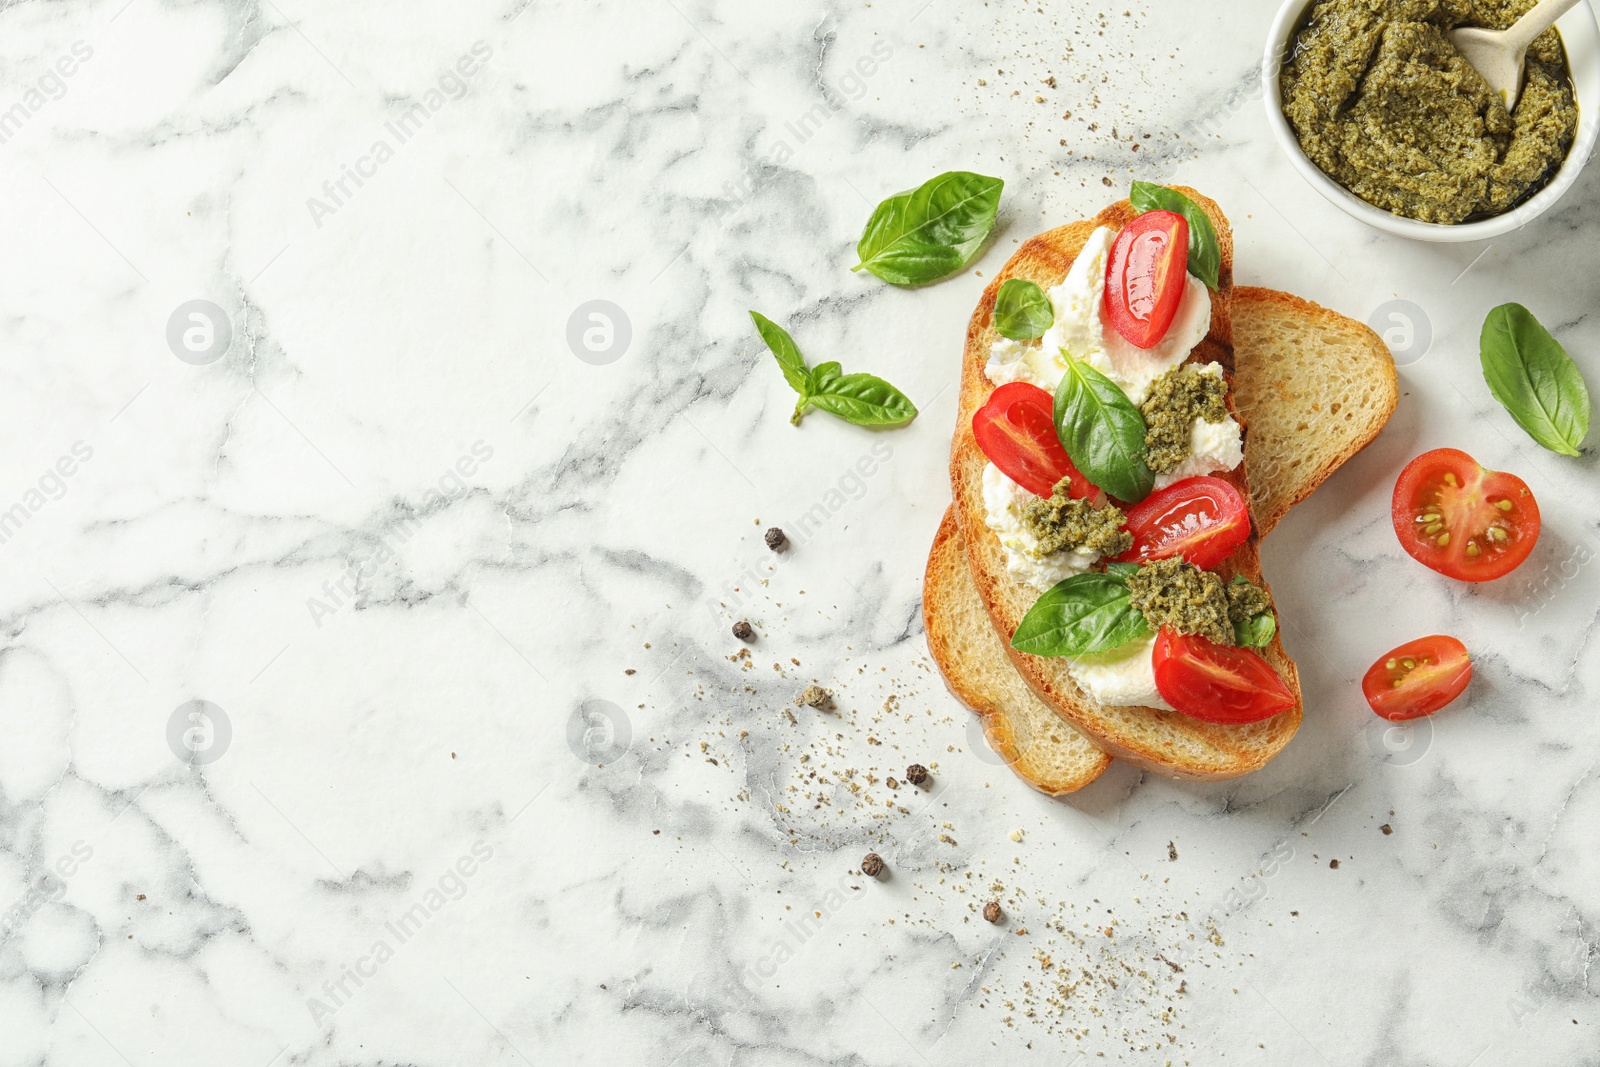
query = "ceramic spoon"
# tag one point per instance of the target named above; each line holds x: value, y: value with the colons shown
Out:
x: 1498, y: 54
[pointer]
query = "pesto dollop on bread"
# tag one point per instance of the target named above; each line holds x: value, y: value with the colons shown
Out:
x: 1062, y: 522
x: 1177, y: 398
x: 1174, y: 594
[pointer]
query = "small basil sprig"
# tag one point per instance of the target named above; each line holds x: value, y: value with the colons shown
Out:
x: 1022, y: 311
x: 1205, y: 252
x: 1255, y: 632
x: 1534, y: 379
x: 1080, y: 616
x: 1102, y: 432
x: 932, y: 231
x: 863, y: 399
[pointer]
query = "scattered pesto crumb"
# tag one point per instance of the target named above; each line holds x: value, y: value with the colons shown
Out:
x: 814, y: 696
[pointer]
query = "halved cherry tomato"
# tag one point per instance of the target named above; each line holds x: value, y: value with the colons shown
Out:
x: 1418, y: 678
x: 1215, y: 683
x: 1201, y: 519
x: 1016, y: 429
x: 1145, y: 276
x: 1461, y: 519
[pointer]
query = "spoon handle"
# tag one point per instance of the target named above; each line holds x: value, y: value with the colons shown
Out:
x: 1539, y: 18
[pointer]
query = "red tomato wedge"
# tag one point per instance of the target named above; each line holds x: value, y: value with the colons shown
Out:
x: 1201, y: 519
x: 1145, y: 276
x: 1214, y: 683
x: 1016, y: 429
x: 1463, y: 520
x: 1418, y: 678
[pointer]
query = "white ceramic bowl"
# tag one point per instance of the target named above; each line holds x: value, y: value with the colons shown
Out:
x: 1582, y: 38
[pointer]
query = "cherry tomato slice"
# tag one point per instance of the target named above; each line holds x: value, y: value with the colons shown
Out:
x: 1463, y: 520
x: 1418, y: 678
x: 1016, y: 429
x: 1145, y: 276
x: 1214, y: 683
x: 1202, y: 519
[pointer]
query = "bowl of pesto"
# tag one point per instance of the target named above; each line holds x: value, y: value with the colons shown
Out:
x: 1375, y: 108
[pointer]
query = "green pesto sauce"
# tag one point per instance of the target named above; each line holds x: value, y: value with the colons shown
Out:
x: 1062, y: 522
x: 1246, y: 600
x: 1176, y: 594
x: 1385, y: 105
x: 1175, y: 400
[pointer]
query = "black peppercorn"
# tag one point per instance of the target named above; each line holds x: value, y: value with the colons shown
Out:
x: 916, y: 774
x: 992, y: 912
x: 872, y: 865
x: 744, y: 631
x: 776, y: 539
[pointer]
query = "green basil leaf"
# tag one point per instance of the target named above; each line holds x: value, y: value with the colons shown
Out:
x: 821, y: 373
x: 787, y: 353
x: 1534, y: 379
x: 929, y: 232
x: 1122, y: 570
x: 1255, y: 632
x: 1205, y: 252
x: 1079, y: 616
x: 1102, y: 432
x: 1022, y: 311
x: 864, y: 399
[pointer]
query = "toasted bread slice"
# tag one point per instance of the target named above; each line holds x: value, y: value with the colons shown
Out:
x: 1050, y: 755
x: 1315, y: 388
x: 1163, y: 742
x: 1298, y: 367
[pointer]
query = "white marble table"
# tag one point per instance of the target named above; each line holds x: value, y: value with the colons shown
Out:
x: 475, y: 777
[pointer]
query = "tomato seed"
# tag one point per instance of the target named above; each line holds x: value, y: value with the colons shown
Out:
x: 1431, y: 516
x: 1503, y: 505
x: 1444, y: 539
x: 1392, y: 664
